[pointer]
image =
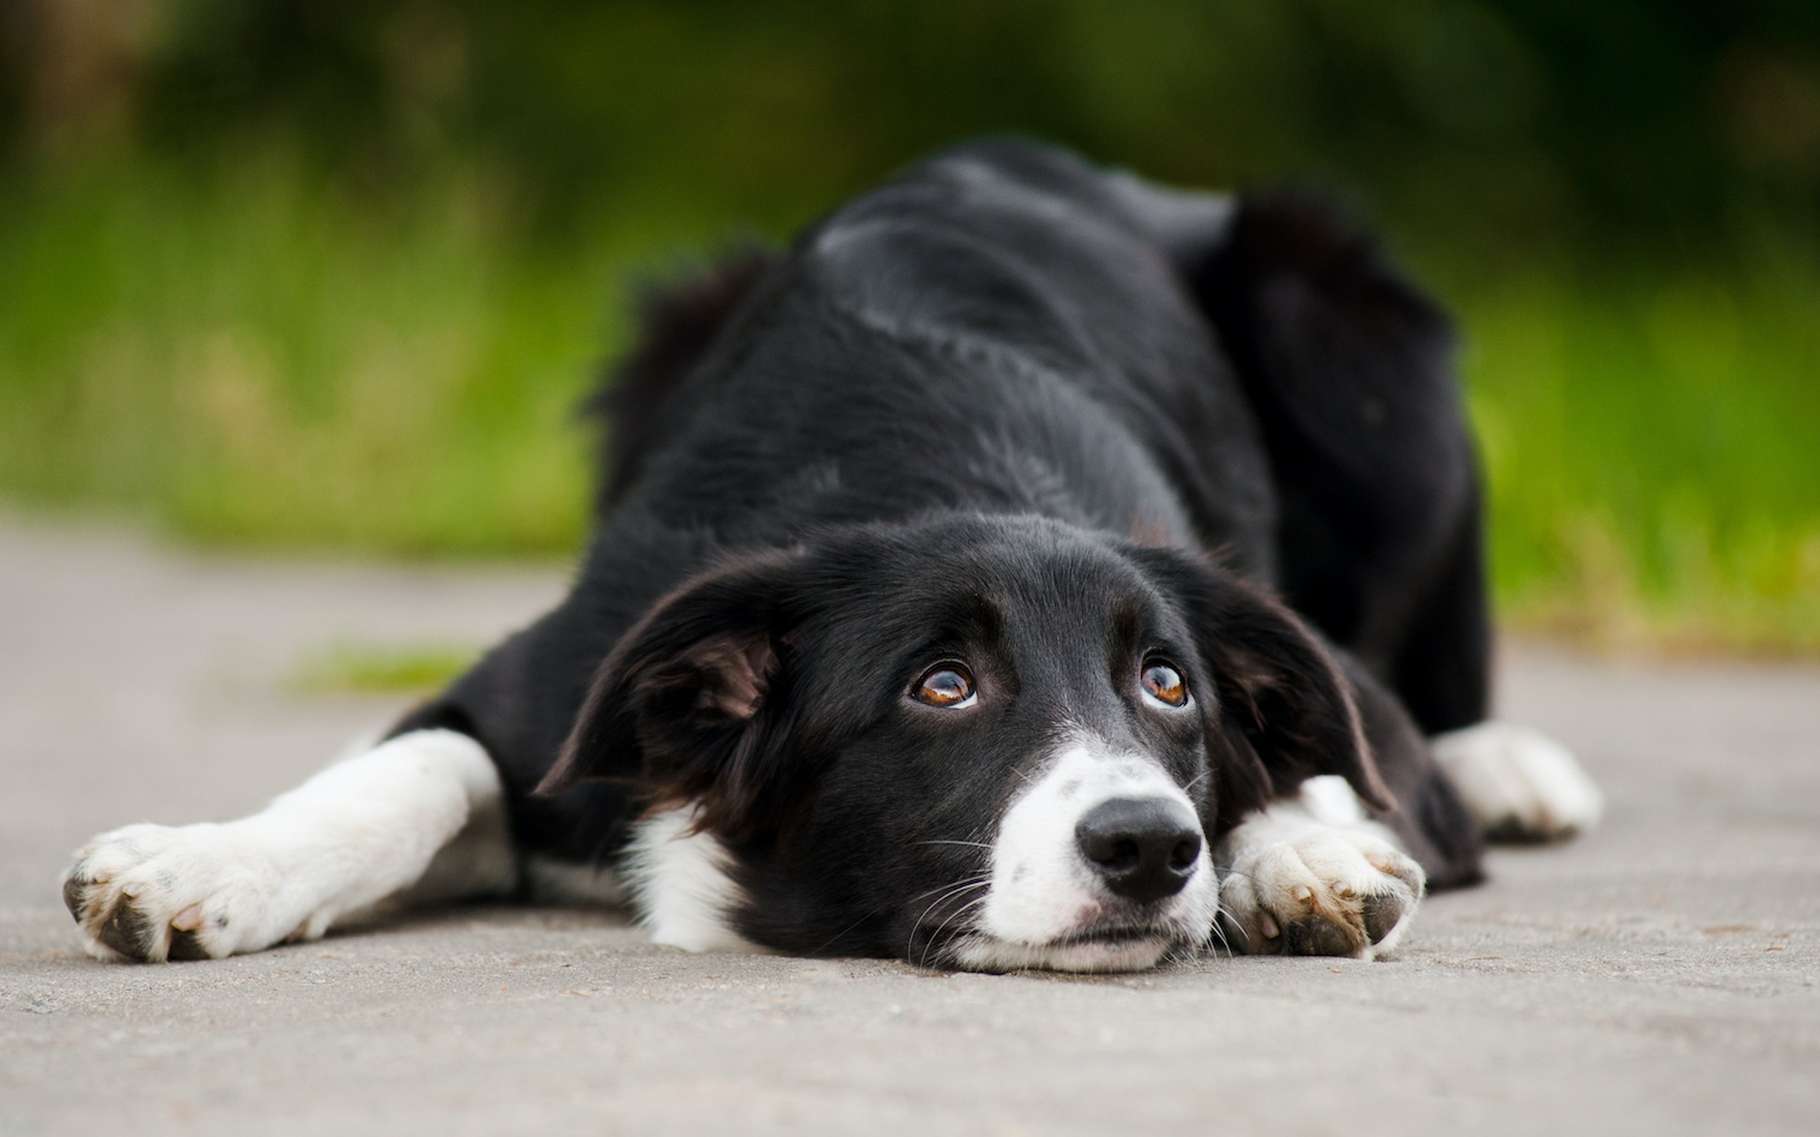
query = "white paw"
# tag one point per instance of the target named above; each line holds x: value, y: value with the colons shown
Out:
x: 1320, y: 890
x: 1518, y: 783
x: 155, y: 892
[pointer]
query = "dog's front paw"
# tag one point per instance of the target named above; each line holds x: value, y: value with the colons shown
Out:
x: 1324, y: 891
x: 1519, y: 784
x: 156, y: 892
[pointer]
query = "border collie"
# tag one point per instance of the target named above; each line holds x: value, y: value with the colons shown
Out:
x: 1030, y: 567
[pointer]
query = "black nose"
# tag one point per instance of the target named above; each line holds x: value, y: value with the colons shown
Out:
x: 1145, y: 848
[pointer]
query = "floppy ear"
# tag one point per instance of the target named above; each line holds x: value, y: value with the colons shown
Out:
x: 689, y: 702
x: 1285, y: 710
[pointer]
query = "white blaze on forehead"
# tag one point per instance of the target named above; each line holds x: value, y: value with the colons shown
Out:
x: 1042, y: 889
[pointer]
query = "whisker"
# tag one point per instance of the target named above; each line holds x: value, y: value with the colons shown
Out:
x: 1244, y: 936
x: 950, y: 884
x: 957, y: 890
x: 933, y: 936
x: 974, y: 844
x: 1221, y: 933
x: 831, y: 940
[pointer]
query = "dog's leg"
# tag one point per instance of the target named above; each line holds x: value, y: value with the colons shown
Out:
x: 1519, y: 784
x: 1311, y: 875
x: 422, y: 809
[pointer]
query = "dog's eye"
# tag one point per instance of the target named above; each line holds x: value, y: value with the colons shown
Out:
x: 1163, y: 683
x: 944, y: 685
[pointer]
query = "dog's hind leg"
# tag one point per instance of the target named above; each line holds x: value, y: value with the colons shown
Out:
x: 419, y: 817
x: 1516, y: 783
x: 1348, y: 365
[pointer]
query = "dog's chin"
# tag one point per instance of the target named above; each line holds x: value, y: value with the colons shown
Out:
x: 1090, y: 952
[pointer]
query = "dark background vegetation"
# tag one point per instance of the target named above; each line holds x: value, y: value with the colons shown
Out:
x: 330, y: 273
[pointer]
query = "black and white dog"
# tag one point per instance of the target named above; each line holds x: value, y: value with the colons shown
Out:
x: 1031, y: 567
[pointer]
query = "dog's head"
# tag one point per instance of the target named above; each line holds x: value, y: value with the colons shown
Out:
x: 988, y: 743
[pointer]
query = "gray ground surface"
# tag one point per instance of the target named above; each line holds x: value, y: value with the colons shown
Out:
x: 1657, y: 977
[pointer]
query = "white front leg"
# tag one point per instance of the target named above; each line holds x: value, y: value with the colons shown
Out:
x: 356, y: 833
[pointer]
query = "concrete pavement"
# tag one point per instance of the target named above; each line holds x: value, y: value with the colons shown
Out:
x: 1657, y: 977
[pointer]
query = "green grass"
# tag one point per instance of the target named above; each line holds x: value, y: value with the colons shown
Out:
x: 381, y: 669
x: 264, y: 361
x: 1651, y: 444
x: 267, y: 360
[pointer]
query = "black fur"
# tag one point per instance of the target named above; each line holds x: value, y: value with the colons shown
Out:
x: 1012, y: 409
x: 1348, y: 368
x: 678, y: 323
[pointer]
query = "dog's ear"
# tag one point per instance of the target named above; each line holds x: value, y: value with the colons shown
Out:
x: 1283, y: 709
x: 690, y: 703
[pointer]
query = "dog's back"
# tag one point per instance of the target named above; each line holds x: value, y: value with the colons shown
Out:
x: 962, y: 337
x: 1008, y: 327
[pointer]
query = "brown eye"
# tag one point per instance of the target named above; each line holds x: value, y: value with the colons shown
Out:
x: 945, y: 685
x: 1163, y: 683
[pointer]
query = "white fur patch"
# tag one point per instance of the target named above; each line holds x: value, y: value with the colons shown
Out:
x: 1312, y: 876
x: 1329, y: 799
x: 1042, y: 889
x: 353, y: 835
x: 1519, y: 782
x: 680, y: 884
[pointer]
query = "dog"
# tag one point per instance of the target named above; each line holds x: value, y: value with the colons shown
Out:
x: 1029, y: 567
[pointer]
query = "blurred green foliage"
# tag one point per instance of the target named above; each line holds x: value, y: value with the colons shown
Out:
x: 381, y: 669
x: 333, y: 273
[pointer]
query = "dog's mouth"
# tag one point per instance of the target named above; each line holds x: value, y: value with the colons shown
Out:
x: 1104, y: 947
x: 1115, y: 935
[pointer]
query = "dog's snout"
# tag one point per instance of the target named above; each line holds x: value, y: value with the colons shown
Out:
x: 1144, y: 848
